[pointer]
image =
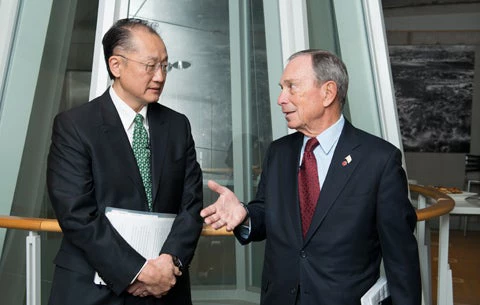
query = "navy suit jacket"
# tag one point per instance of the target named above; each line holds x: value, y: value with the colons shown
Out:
x: 363, y: 213
x: 91, y: 166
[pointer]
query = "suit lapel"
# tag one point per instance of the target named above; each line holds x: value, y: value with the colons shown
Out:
x: 293, y: 157
x: 117, y: 138
x: 159, y: 133
x: 337, y: 176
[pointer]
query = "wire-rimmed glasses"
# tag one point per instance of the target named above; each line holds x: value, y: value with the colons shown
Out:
x: 151, y: 68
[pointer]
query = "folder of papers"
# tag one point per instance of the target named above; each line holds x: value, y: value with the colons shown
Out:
x: 144, y: 231
x: 377, y: 293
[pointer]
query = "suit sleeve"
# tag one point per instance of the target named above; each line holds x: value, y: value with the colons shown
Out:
x: 188, y: 224
x: 71, y: 188
x: 256, y: 209
x: 396, y: 220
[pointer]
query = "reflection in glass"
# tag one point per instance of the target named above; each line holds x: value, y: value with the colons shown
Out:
x: 197, y: 36
x: 181, y: 65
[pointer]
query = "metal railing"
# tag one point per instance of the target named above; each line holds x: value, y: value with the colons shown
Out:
x: 441, y: 208
x: 442, y: 205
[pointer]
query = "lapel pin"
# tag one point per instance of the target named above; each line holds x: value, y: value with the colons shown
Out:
x: 347, y: 160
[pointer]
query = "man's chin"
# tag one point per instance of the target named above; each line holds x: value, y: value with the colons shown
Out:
x: 153, y: 94
x: 292, y: 125
x: 153, y: 98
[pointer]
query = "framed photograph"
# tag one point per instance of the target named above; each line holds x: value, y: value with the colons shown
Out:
x: 433, y: 89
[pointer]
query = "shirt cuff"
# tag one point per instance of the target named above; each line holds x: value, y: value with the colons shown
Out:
x: 177, y: 262
x: 244, y: 231
x: 138, y: 273
x: 245, y: 227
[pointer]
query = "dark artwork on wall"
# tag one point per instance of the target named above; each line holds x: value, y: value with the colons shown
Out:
x: 433, y: 89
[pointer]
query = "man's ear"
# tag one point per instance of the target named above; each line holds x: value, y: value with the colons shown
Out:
x: 329, y: 89
x: 114, y: 65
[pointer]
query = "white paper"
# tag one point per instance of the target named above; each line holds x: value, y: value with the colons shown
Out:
x: 377, y: 293
x: 144, y: 231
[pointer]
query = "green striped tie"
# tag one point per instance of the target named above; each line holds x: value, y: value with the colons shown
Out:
x: 141, y: 151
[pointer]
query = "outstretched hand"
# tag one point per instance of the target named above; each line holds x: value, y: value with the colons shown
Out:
x: 227, y: 211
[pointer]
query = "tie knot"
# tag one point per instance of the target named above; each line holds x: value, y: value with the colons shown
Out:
x: 138, y: 119
x: 311, y: 144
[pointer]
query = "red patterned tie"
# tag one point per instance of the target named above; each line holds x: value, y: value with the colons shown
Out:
x: 308, y: 186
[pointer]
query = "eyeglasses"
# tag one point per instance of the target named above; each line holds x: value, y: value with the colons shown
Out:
x: 151, y: 68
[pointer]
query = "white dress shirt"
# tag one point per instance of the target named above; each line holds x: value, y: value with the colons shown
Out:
x: 127, y: 116
x: 328, y: 140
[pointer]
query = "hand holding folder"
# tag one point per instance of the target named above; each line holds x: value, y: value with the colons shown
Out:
x: 144, y: 231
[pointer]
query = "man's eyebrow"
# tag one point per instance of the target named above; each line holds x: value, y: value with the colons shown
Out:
x: 155, y: 58
x: 287, y: 81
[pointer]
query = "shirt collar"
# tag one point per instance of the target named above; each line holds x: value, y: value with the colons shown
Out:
x: 127, y: 114
x: 329, y: 137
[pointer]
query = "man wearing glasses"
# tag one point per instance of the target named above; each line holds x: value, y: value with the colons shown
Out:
x: 124, y: 150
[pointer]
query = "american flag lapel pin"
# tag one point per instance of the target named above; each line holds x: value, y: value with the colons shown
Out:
x: 347, y: 160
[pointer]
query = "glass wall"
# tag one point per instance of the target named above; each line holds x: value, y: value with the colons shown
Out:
x: 50, y: 72
x: 356, y: 32
x: 224, y: 92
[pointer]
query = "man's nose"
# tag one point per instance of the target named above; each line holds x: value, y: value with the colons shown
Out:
x: 282, y: 98
x: 159, y: 75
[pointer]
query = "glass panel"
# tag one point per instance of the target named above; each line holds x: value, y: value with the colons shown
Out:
x: 322, y: 31
x: 63, y: 82
x: 340, y: 27
x: 261, y: 121
x: 199, y: 32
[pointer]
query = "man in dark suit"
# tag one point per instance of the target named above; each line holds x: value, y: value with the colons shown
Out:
x: 326, y: 236
x: 92, y: 165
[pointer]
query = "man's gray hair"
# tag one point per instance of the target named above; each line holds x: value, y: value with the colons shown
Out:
x: 328, y: 67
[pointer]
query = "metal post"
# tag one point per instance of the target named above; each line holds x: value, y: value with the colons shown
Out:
x: 445, y: 289
x: 423, y: 240
x: 33, y: 246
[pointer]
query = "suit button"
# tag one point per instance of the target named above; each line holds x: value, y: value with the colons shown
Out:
x: 293, y: 290
x: 303, y: 254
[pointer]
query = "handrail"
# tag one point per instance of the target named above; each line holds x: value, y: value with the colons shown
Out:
x: 51, y: 225
x: 441, y: 208
x: 443, y: 205
x: 29, y: 223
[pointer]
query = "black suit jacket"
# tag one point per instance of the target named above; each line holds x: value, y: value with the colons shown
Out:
x: 363, y: 213
x: 91, y: 166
